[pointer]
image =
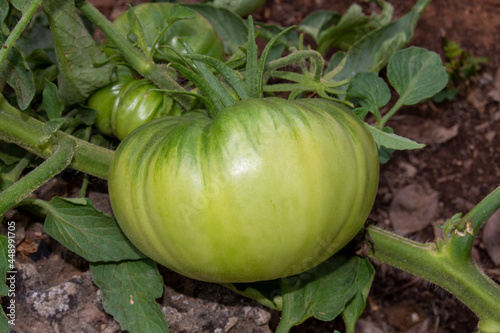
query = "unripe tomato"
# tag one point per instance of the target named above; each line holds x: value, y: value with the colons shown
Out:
x: 128, y: 103
x: 268, y: 188
x: 197, y: 32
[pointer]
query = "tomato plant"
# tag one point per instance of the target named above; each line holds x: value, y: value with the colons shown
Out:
x: 126, y: 104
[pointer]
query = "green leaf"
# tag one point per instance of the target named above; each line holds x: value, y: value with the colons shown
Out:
x: 51, y: 102
x: 50, y: 128
x: 447, y: 94
x: 87, y: 231
x: 136, y: 33
x: 335, y: 62
x: 372, y: 52
x: 11, y: 153
x: 370, y: 90
x: 362, y: 112
x: 4, y: 322
x: 76, y: 201
x: 129, y: 290
x: 285, y: 42
x: 318, y: 21
x: 230, y: 27
x: 43, y: 75
x: 4, y: 11
x: 252, y: 72
x: 21, y: 5
x: 38, y: 38
x: 17, y: 159
x: 391, y: 140
x: 322, y: 292
x: 356, y: 306
x: 384, y: 154
x: 240, y: 7
x: 39, y: 57
x: 416, y: 74
x: 80, y: 60
x: 87, y: 116
x: 177, y: 13
x: 267, y: 293
x: 351, y: 27
x: 18, y: 75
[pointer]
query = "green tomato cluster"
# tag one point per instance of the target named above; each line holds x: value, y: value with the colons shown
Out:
x: 128, y: 103
x: 268, y: 188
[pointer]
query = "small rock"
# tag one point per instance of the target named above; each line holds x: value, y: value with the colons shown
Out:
x: 259, y: 316
x: 490, y: 136
x: 496, y: 116
x: 231, y: 322
x: 71, y: 306
x: 495, y: 91
x: 53, y: 301
x: 408, y: 169
x: 442, y: 134
x: 101, y: 201
x: 477, y: 101
x: 401, y: 315
x: 367, y: 326
x: 422, y: 327
x: 194, y: 306
x: 413, y: 208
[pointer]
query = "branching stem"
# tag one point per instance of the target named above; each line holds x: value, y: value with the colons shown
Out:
x: 23, y: 130
x: 56, y: 163
x: 447, y: 264
x: 135, y: 57
x: 18, y: 29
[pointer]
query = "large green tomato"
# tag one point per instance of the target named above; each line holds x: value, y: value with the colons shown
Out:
x: 128, y: 103
x: 267, y: 189
x: 197, y: 32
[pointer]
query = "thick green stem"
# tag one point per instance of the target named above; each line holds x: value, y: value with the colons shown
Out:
x: 460, y: 243
x: 135, y: 57
x: 18, y: 29
x: 56, y: 163
x: 18, y: 128
x: 447, y: 264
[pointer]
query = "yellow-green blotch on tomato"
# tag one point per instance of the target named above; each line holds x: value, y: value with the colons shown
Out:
x: 128, y: 103
x: 197, y: 32
x: 268, y: 188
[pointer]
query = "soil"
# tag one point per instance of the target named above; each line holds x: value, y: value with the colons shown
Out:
x: 459, y: 166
